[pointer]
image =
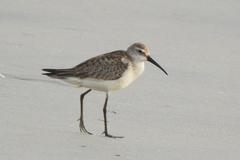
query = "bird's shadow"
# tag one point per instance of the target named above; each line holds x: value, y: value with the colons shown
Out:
x: 25, y: 78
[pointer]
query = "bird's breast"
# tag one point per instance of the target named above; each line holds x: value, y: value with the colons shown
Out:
x: 132, y: 73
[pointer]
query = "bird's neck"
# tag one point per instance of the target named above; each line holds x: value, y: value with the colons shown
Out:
x: 138, y: 68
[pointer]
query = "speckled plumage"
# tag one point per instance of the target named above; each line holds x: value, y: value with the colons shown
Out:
x: 109, y: 66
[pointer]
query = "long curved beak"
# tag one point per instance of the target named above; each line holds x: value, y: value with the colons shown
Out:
x: 156, y: 64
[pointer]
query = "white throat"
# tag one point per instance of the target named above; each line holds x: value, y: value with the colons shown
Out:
x: 138, y: 68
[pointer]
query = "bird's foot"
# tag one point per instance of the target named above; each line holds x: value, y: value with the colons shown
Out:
x: 83, y: 129
x: 111, y: 136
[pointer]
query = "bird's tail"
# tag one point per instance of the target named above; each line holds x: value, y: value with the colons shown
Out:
x: 57, y: 73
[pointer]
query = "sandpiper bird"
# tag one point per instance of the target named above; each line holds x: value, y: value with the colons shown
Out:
x: 106, y: 72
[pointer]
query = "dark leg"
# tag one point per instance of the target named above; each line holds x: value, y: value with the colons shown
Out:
x: 105, y: 120
x: 81, y: 124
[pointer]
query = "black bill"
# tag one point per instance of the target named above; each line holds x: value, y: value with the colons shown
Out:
x: 156, y: 64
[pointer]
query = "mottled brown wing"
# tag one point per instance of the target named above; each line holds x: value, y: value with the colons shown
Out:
x: 108, y: 66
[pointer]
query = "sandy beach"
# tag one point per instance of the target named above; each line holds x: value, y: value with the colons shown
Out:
x: 192, y: 114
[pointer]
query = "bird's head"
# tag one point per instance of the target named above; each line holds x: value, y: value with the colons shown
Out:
x: 139, y: 52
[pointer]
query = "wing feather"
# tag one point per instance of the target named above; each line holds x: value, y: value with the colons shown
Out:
x: 109, y: 66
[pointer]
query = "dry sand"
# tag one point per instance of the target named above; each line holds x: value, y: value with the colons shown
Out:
x: 193, y: 114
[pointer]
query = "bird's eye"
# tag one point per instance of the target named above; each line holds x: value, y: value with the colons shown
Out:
x: 140, y: 51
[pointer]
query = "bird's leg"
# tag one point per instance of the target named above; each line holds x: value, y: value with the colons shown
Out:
x: 81, y: 124
x: 105, y: 120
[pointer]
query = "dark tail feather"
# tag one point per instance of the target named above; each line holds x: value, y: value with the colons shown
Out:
x: 58, y: 73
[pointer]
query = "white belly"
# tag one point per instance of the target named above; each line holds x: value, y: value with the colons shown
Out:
x: 127, y: 78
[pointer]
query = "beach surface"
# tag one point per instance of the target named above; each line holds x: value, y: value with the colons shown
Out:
x: 192, y: 114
